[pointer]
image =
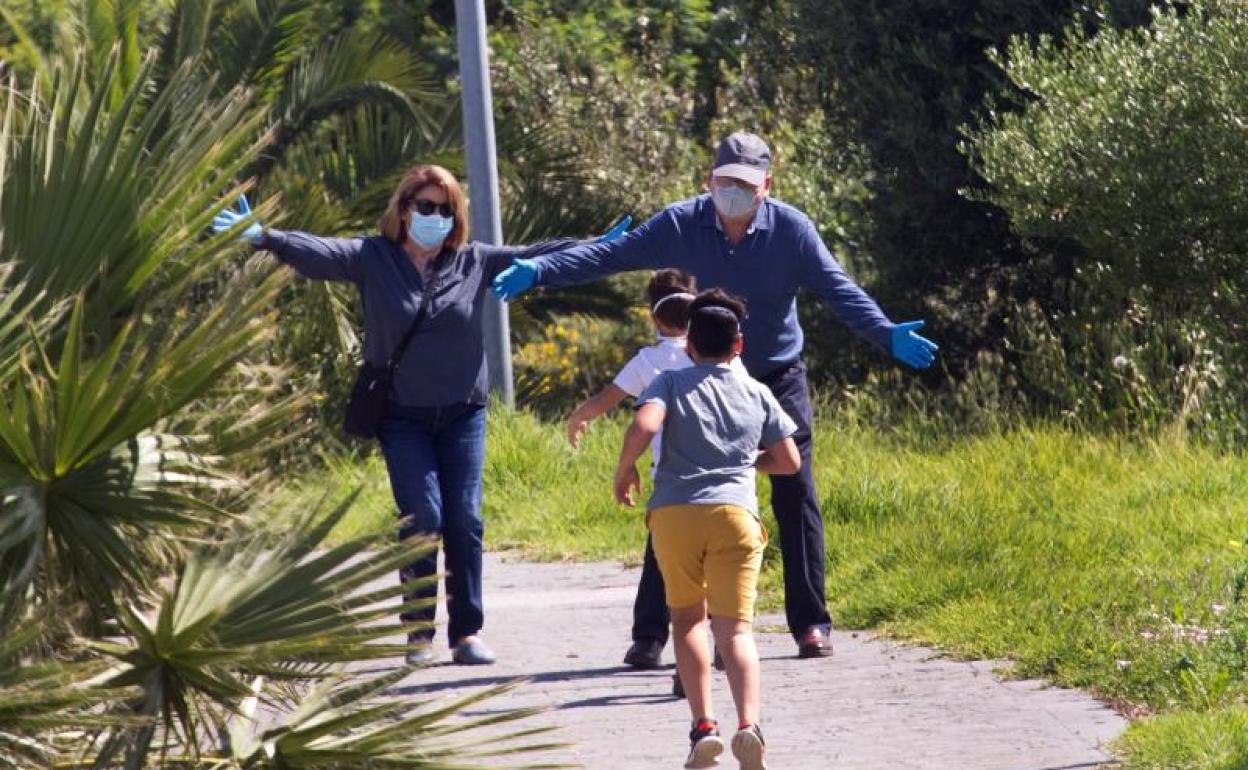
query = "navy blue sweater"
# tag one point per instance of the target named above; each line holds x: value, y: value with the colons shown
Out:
x: 781, y: 253
x: 445, y: 362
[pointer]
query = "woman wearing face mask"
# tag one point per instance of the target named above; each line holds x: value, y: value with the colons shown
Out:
x: 433, y: 433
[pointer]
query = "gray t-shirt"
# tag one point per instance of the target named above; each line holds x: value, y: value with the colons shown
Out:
x: 716, y: 419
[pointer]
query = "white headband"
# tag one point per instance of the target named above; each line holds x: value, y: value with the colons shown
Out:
x: 686, y: 295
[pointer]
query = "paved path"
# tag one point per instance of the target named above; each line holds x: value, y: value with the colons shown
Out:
x: 874, y: 705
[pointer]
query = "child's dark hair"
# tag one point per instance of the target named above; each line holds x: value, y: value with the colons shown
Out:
x: 715, y: 318
x: 671, y: 282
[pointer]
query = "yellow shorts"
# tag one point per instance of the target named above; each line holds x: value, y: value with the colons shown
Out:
x: 711, y: 552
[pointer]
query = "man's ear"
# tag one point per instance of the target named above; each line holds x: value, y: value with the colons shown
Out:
x: 738, y: 344
x: 767, y: 185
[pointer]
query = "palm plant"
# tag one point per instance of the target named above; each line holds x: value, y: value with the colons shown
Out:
x: 134, y: 389
x: 90, y: 480
x: 109, y: 205
x: 111, y: 201
x: 348, y: 721
x: 277, y: 605
x: 48, y: 704
x: 241, y: 659
x: 261, y: 602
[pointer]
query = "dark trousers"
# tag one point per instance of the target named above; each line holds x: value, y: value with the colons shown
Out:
x: 435, y: 457
x: 796, y: 507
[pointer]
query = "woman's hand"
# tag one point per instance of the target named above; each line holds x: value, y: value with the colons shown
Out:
x: 616, y: 230
x: 227, y: 219
x: 522, y: 274
x: 515, y: 280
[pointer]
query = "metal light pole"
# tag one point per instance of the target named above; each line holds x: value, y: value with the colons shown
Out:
x: 474, y: 78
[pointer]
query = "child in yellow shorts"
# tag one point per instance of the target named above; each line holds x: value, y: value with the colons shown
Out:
x: 703, y: 514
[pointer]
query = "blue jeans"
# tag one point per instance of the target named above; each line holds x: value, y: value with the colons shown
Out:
x: 435, y: 456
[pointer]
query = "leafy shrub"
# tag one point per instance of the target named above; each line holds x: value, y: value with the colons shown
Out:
x: 627, y: 73
x: 1134, y: 158
x: 901, y: 78
x: 1137, y: 148
x: 575, y: 356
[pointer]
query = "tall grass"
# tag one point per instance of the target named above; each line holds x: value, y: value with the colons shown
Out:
x: 1110, y: 564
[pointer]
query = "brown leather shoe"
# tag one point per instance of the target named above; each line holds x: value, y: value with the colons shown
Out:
x: 815, y: 643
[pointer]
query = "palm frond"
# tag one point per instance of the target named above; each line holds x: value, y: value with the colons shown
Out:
x: 356, y: 70
x: 87, y: 476
x: 253, y: 415
x: 253, y: 43
x: 19, y: 313
x: 184, y: 38
x: 27, y: 47
x: 269, y: 601
x: 354, y: 721
x: 114, y: 201
x: 125, y: 36
x: 44, y: 702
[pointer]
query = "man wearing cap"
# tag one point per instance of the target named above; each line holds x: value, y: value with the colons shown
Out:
x: 738, y: 239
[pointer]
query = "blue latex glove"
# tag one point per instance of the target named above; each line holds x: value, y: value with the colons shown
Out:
x: 522, y: 274
x: 617, y: 229
x: 910, y: 348
x: 515, y: 280
x: 228, y: 218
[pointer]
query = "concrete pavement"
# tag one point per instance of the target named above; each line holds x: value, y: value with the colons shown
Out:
x: 875, y: 704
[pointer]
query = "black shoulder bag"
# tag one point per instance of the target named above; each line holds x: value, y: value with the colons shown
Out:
x: 367, y: 404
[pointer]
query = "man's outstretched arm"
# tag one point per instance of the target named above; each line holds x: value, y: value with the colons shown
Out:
x: 645, y: 248
x: 825, y: 276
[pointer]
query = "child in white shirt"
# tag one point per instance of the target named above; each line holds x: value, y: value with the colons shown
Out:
x: 670, y: 292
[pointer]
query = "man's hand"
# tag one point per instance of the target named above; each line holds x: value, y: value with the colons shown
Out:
x: 515, y: 280
x: 228, y: 218
x: 910, y: 348
x: 626, y: 483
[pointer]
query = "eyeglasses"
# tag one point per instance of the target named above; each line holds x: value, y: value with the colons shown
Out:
x: 426, y: 207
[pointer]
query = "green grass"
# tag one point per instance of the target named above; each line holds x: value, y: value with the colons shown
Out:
x: 1212, y: 740
x: 1112, y: 565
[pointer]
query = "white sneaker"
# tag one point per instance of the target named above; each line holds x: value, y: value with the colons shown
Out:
x: 749, y: 748
x: 705, y: 745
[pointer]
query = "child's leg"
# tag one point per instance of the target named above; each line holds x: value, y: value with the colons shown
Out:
x: 733, y: 560
x: 679, y: 536
x: 693, y: 660
x: 735, y: 640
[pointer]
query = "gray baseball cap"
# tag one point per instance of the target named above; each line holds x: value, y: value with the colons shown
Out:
x: 743, y: 156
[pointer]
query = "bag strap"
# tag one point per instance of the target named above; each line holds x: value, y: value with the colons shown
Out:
x: 421, y: 312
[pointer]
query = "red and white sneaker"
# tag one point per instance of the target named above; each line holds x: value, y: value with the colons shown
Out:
x: 705, y: 745
x: 749, y: 748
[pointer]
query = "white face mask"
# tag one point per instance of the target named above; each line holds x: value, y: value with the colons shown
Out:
x: 731, y: 201
x: 430, y: 230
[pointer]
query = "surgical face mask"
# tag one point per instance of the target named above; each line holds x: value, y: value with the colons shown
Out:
x: 731, y: 201
x: 430, y: 230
